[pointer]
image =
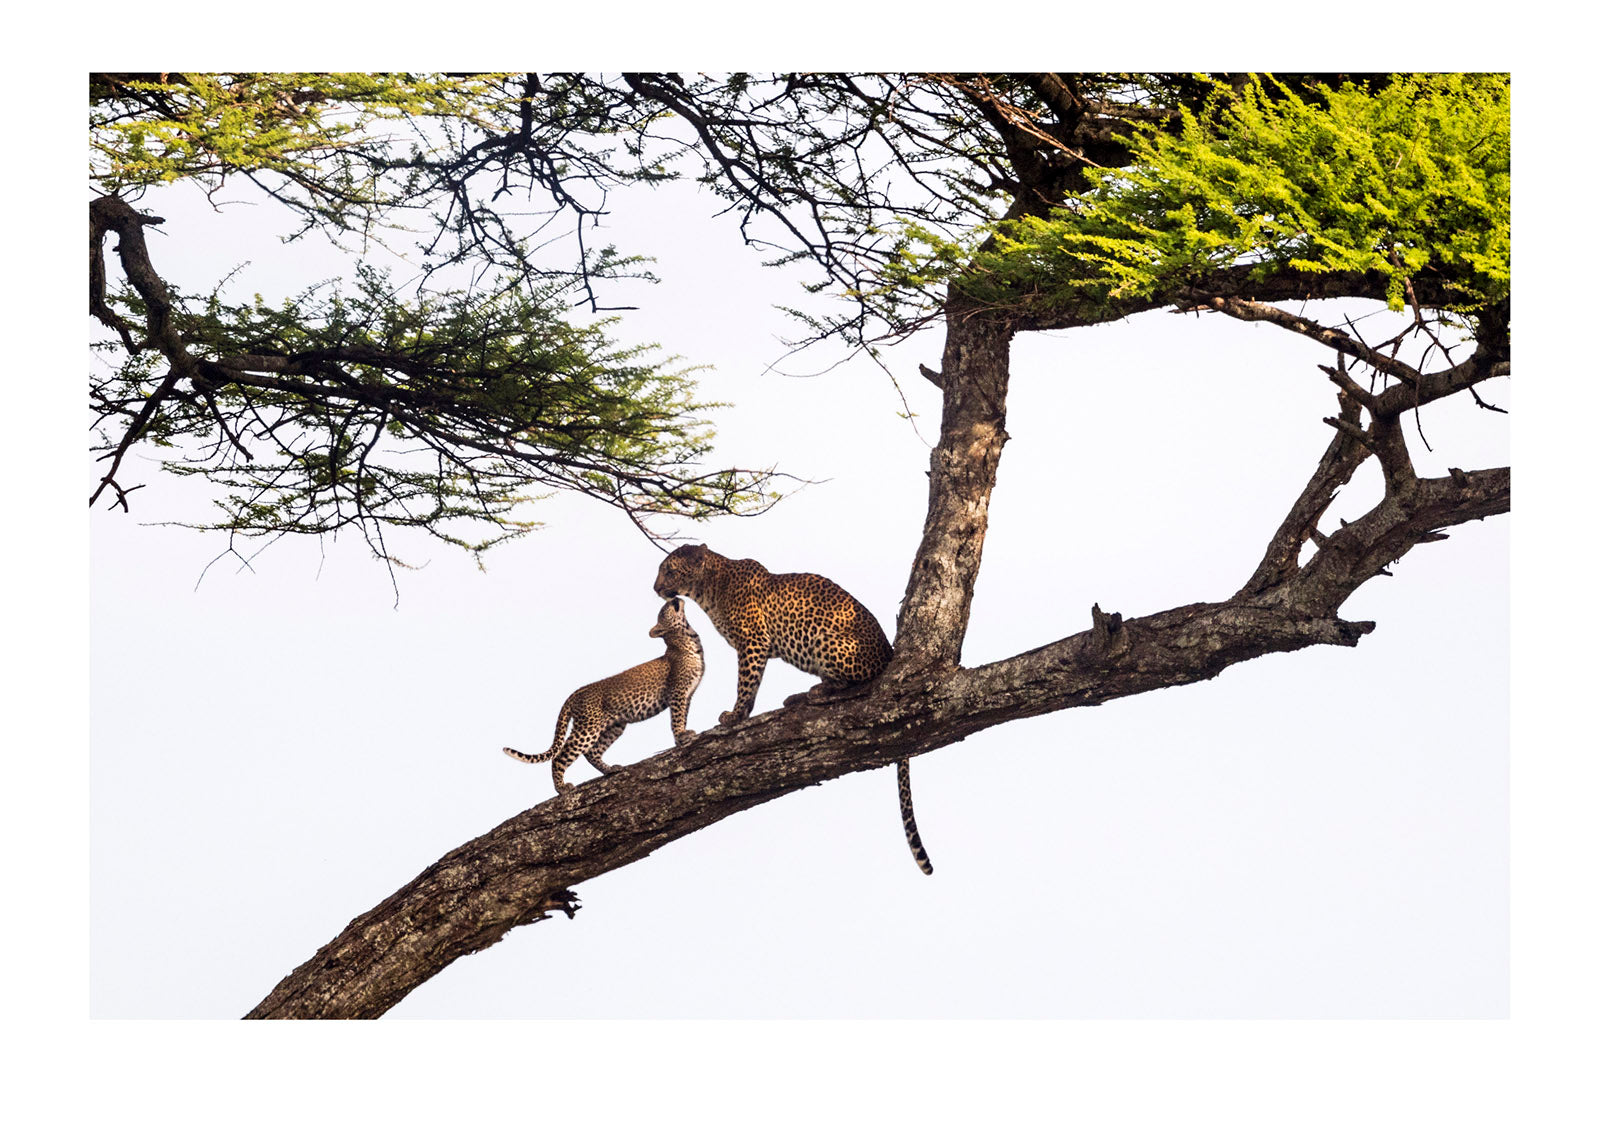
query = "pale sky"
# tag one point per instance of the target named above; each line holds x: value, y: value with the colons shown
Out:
x: 1315, y: 835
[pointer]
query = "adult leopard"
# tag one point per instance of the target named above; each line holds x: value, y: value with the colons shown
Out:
x: 802, y: 618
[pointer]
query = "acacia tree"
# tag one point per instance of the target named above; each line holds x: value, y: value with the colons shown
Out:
x: 994, y: 205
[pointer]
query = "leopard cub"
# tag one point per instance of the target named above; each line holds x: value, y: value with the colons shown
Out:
x: 599, y: 711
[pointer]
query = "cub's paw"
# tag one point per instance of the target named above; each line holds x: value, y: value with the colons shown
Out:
x: 683, y: 738
x: 727, y: 718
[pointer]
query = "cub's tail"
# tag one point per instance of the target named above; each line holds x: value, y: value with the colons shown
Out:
x: 561, y: 730
x: 907, y: 818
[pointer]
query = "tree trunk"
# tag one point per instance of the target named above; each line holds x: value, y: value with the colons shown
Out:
x: 961, y: 478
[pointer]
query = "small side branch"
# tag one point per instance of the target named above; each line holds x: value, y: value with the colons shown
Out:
x: 1248, y: 311
x: 1347, y: 385
x: 1106, y: 625
x: 1354, y: 431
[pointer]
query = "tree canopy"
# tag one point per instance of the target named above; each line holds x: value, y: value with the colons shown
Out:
x: 369, y: 402
x: 1061, y: 200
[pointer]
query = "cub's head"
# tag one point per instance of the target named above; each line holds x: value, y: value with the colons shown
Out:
x: 682, y: 570
x: 670, y: 617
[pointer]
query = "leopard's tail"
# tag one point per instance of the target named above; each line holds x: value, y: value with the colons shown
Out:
x: 907, y: 818
x: 561, y: 730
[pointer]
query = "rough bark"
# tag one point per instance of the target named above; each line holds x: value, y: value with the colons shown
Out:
x: 111, y: 215
x: 961, y: 479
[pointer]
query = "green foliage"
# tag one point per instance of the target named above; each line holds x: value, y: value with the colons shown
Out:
x: 211, y: 126
x: 1410, y: 181
x: 356, y: 407
x: 365, y: 153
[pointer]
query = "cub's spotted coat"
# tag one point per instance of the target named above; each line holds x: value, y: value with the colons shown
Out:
x: 800, y: 617
x: 599, y: 711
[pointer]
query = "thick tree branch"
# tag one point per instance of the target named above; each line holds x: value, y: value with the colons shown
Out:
x: 111, y: 214
x: 1343, y: 456
x: 1363, y: 549
x: 97, y: 281
x: 519, y: 871
x: 1056, y: 93
x: 510, y: 875
x: 1481, y: 366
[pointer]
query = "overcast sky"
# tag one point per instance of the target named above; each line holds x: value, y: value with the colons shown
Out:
x: 1319, y: 834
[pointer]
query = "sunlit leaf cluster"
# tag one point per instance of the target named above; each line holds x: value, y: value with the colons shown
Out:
x: 326, y: 138
x: 1407, y: 182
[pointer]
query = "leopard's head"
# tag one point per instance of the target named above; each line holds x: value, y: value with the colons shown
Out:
x: 670, y: 617
x: 683, y: 571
